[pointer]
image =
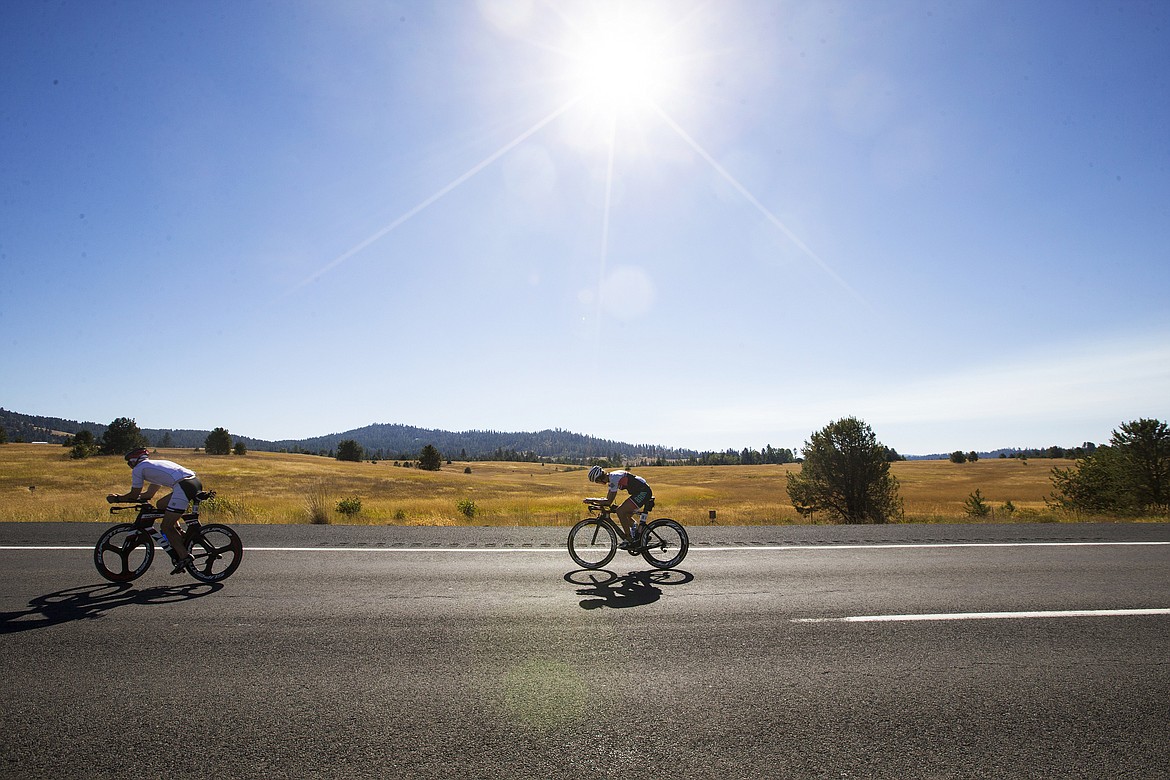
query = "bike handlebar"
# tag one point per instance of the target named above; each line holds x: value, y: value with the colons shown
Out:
x: 135, y: 506
x: 138, y: 503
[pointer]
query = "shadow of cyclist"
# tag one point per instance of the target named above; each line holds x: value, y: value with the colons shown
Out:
x: 636, y: 589
x: 90, y: 602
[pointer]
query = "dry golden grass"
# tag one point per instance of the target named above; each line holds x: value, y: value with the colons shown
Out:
x: 41, y: 482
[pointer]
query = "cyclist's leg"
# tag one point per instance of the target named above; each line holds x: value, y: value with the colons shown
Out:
x: 175, y: 507
x: 164, y: 502
x: 625, y: 514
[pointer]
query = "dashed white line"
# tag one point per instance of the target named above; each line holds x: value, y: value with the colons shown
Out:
x: 1066, y: 613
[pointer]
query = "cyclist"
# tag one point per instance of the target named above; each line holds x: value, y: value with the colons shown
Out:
x: 641, y: 497
x: 154, y: 474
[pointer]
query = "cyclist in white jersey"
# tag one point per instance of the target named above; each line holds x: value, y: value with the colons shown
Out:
x: 148, y: 475
x: 641, y: 496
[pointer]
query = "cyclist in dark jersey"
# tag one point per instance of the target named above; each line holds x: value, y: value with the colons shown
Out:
x: 641, y: 496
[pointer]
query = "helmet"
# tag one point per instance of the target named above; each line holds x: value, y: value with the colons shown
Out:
x: 594, y: 473
x: 137, y: 455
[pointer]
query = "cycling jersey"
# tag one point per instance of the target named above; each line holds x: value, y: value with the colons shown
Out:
x: 637, y: 487
x: 168, y: 474
x: 163, y: 473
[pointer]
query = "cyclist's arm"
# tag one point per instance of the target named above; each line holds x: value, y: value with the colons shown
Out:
x: 603, y: 501
x: 125, y: 498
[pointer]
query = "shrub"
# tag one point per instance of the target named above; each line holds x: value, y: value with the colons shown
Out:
x: 976, y: 505
x: 350, y: 506
x: 466, y: 507
x: 317, y: 503
x: 226, y: 507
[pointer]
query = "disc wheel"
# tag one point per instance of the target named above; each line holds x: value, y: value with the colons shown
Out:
x: 664, y: 544
x: 123, y: 553
x: 215, y: 553
x: 592, y: 543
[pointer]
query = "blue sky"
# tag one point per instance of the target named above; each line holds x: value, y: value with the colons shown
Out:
x: 696, y: 224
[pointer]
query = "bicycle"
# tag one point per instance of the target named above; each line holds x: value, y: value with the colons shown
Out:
x: 594, y: 541
x: 125, y: 551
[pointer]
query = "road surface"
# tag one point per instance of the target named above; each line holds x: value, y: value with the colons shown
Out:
x: 805, y: 652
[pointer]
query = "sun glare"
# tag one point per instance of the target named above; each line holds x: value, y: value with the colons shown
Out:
x: 622, y: 62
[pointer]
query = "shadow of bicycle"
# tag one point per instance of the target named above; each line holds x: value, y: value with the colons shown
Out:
x: 90, y: 602
x: 605, y: 588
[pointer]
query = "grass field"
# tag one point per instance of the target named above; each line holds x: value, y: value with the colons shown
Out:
x: 41, y: 483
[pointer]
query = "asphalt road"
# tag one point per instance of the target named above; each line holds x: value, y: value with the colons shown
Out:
x: 481, y: 653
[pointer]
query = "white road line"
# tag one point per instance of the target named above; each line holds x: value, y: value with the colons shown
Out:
x: 694, y: 547
x: 1068, y: 613
x: 922, y: 545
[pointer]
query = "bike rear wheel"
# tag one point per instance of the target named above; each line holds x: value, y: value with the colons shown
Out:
x: 215, y: 553
x: 664, y: 543
x: 123, y: 553
x: 592, y: 543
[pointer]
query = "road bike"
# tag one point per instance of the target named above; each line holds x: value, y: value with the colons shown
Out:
x: 125, y: 551
x: 594, y: 541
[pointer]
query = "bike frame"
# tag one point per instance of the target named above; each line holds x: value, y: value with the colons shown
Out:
x: 148, y: 514
x: 607, y: 514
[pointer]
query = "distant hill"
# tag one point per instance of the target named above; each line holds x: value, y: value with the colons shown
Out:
x: 387, y: 441
x: 403, y: 442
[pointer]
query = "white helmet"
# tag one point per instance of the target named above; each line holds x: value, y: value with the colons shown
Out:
x: 594, y: 473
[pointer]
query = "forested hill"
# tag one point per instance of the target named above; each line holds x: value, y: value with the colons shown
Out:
x: 391, y: 440
x: 382, y: 440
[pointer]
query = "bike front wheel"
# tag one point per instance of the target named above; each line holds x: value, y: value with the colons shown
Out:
x: 664, y: 543
x: 592, y: 543
x: 215, y: 553
x: 123, y: 553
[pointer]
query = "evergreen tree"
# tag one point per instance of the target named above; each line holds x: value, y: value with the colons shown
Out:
x: 121, y: 436
x: 83, y: 445
x: 846, y: 475
x: 349, y: 450
x: 1130, y: 475
x: 429, y: 459
x: 218, y: 442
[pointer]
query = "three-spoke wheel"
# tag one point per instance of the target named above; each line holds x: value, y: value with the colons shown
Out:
x: 123, y: 553
x: 215, y: 553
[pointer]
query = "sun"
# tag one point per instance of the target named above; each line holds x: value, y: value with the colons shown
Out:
x: 623, y: 60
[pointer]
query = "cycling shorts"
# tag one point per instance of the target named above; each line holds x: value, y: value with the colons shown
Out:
x: 642, y: 498
x: 183, y: 494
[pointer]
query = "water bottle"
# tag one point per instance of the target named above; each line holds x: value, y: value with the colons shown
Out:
x: 161, y: 540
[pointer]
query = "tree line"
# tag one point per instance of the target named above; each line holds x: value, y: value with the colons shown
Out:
x: 845, y: 476
x: 123, y: 435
